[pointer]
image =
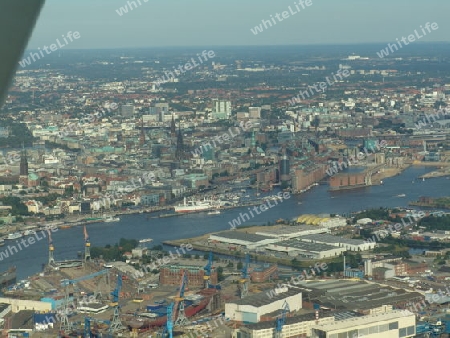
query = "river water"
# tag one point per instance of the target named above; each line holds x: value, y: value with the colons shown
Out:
x: 318, y: 200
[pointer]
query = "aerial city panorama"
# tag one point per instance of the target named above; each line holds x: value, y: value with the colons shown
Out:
x: 237, y: 169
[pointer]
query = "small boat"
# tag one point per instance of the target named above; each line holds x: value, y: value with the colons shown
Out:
x: 29, y: 232
x: 14, y: 235
x: 146, y: 240
x: 112, y: 219
x: 423, y: 179
x: 401, y: 195
x: 214, y: 212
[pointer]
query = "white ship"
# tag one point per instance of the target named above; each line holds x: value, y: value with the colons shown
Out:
x: 14, y: 235
x: 214, y: 212
x: 29, y: 232
x: 145, y: 240
x: 193, y: 206
x: 112, y: 219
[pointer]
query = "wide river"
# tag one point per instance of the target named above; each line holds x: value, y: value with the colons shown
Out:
x: 318, y: 200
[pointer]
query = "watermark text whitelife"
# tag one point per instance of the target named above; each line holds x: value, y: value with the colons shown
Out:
x: 258, y: 209
x: 352, y: 160
x: 311, y: 90
x: 406, y: 41
x: 156, y: 265
x: 11, y: 250
x: 182, y: 68
x: 222, y: 138
x: 317, y: 269
x: 33, y: 57
x: 431, y: 118
x: 130, y: 5
x: 300, y: 5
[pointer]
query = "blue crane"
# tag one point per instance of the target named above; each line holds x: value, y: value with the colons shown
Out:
x: 169, y: 324
x: 179, y: 314
x: 281, y: 321
x: 64, y: 323
x: 66, y: 282
x: 244, y: 277
x: 116, y: 323
x: 207, y: 276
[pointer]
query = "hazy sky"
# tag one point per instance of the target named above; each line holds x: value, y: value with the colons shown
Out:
x: 213, y: 22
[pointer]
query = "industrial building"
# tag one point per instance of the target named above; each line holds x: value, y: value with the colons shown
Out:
x: 294, y: 247
x: 170, y: 275
x: 392, y: 324
x: 251, y: 308
x: 249, y: 241
x: 288, y: 232
x: 326, y: 222
x: 346, y: 243
x: 296, y: 326
x: 264, y: 273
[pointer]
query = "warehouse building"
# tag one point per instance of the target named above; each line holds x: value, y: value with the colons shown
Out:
x: 288, y: 232
x: 294, y: 247
x: 250, y: 309
x: 347, y: 243
x: 392, y: 324
x: 297, y: 326
x: 249, y: 241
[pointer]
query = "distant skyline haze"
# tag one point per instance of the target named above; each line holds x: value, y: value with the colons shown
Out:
x: 164, y: 23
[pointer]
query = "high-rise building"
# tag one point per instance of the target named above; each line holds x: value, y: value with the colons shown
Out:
x: 127, y: 110
x: 221, y: 110
x: 23, y: 169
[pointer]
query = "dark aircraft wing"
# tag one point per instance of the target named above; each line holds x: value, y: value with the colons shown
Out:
x: 17, y: 20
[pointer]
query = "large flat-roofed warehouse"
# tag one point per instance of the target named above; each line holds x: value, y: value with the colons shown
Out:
x: 393, y: 324
x: 250, y: 241
x: 347, y: 243
x: 294, y: 247
x: 251, y: 308
x: 296, y: 326
x: 288, y: 232
x: 362, y: 297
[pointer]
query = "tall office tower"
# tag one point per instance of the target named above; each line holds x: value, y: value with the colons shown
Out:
x: 173, y: 129
x: 284, y: 167
x: 162, y: 109
x: 127, y: 110
x: 180, y: 151
x: 221, y: 110
x: 23, y: 169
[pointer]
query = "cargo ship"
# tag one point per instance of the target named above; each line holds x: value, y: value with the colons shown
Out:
x: 8, y: 277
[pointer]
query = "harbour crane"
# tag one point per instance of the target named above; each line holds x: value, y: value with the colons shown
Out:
x: 179, y: 315
x: 207, y: 276
x: 65, y: 324
x: 281, y: 321
x: 87, y: 325
x: 116, y: 323
x: 244, y: 281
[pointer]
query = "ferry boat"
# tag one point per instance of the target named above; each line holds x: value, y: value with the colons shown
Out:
x: 14, y: 235
x: 146, y: 240
x: 193, y: 206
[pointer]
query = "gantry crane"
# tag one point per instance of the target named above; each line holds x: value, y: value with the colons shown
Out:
x: 116, y: 323
x: 281, y: 321
x: 244, y: 281
x: 207, y: 276
x: 64, y: 324
x: 179, y: 315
